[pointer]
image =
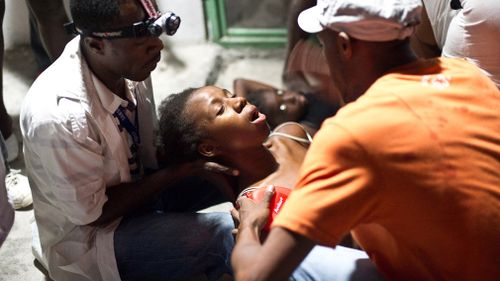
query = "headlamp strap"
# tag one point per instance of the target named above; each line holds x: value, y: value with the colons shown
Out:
x: 150, y: 9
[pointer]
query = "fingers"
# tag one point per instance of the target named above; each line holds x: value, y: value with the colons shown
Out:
x: 269, y: 194
x: 236, y: 218
x: 239, y: 202
x: 236, y: 215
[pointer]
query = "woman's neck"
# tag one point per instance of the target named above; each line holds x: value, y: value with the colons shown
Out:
x: 253, y: 165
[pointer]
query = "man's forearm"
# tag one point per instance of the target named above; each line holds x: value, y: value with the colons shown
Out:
x: 274, y: 260
x: 127, y: 197
x: 246, y: 253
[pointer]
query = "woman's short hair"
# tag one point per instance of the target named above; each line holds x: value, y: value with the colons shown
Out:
x: 179, y: 133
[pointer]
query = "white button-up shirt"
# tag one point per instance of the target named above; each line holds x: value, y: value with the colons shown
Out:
x: 73, y: 151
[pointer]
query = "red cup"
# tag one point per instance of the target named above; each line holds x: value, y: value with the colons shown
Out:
x: 276, y: 203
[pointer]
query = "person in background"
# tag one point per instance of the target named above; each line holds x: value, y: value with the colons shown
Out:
x: 5, y: 120
x: 282, y: 106
x: 6, y: 211
x: 294, y: 33
x: 104, y: 207
x: 47, y: 34
x: 50, y: 17
x: 17, y: 185
x: 462, y: 29
x: 409, y: 165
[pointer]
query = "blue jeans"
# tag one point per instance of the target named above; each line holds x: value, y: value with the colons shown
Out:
x: 169, y: 240
x: 339, y: 264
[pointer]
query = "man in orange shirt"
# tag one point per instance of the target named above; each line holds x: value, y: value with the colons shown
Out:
x: 410, y: 166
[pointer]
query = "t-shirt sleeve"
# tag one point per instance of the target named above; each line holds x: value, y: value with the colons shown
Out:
x: 69, y: 164
x: 334, y: 192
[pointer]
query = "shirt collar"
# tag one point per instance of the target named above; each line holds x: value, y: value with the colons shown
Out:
x: 109, y: 100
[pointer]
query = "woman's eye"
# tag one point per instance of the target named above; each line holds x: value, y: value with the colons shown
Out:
x: 221, y: 110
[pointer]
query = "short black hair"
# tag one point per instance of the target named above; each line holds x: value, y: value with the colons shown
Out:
x: 178, y: 132
x: 94, y: 15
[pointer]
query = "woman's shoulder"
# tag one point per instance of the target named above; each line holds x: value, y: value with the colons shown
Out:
x: 293, y: 131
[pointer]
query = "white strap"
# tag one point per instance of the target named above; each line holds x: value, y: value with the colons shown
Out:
x: 295, y: 138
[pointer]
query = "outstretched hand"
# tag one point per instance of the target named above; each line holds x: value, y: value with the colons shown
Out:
x: 253, y: 214
x: 218, y: 175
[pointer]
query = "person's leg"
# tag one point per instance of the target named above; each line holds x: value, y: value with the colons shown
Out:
x: 51, y: 17
x: 5, y: 120
x: 168, y: 239
x: 339, y: 264
x: 6, y: 211
x: 41, y: 56
x: 17, y: 185
x: 164, y: 246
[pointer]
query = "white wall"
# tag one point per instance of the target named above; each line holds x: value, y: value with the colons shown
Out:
x: 192, y: 19
x: 16, y: 24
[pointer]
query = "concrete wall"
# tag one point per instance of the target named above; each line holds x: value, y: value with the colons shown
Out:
x: 16, y: 25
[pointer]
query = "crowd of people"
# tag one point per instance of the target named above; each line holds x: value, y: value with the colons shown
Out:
x: 401, y: 183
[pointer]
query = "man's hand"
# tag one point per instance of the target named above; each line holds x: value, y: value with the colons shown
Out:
x: 251, y: 214
x: 217, y: 174
x: 277, y: 257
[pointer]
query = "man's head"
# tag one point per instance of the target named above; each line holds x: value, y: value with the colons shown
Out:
x: 368, y: 20
x: 88, y: 23
x: 113, y: 58
x: 362, y: 39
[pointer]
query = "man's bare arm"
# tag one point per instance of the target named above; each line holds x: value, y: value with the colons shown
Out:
x: 276, y: 259
x: 125, y: 198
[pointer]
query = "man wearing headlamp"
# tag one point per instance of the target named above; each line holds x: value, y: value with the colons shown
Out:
x: 89, y: 134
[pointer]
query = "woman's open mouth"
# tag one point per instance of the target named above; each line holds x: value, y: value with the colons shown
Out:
x: 256, y: 116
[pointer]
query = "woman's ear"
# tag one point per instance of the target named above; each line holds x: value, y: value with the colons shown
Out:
x: 208, y: 149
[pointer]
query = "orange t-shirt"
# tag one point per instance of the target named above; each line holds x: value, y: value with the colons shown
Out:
x: 413, y: 169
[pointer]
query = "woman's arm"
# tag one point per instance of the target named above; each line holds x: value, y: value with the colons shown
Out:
x: 243, y: 86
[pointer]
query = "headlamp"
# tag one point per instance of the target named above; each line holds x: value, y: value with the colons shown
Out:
x: 167, y: 22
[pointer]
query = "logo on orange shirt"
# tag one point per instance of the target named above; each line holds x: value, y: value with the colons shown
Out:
x: 438, y: 81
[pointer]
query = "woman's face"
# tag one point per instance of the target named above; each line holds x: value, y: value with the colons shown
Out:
x: 282, y: 106
x: 230, y: 122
